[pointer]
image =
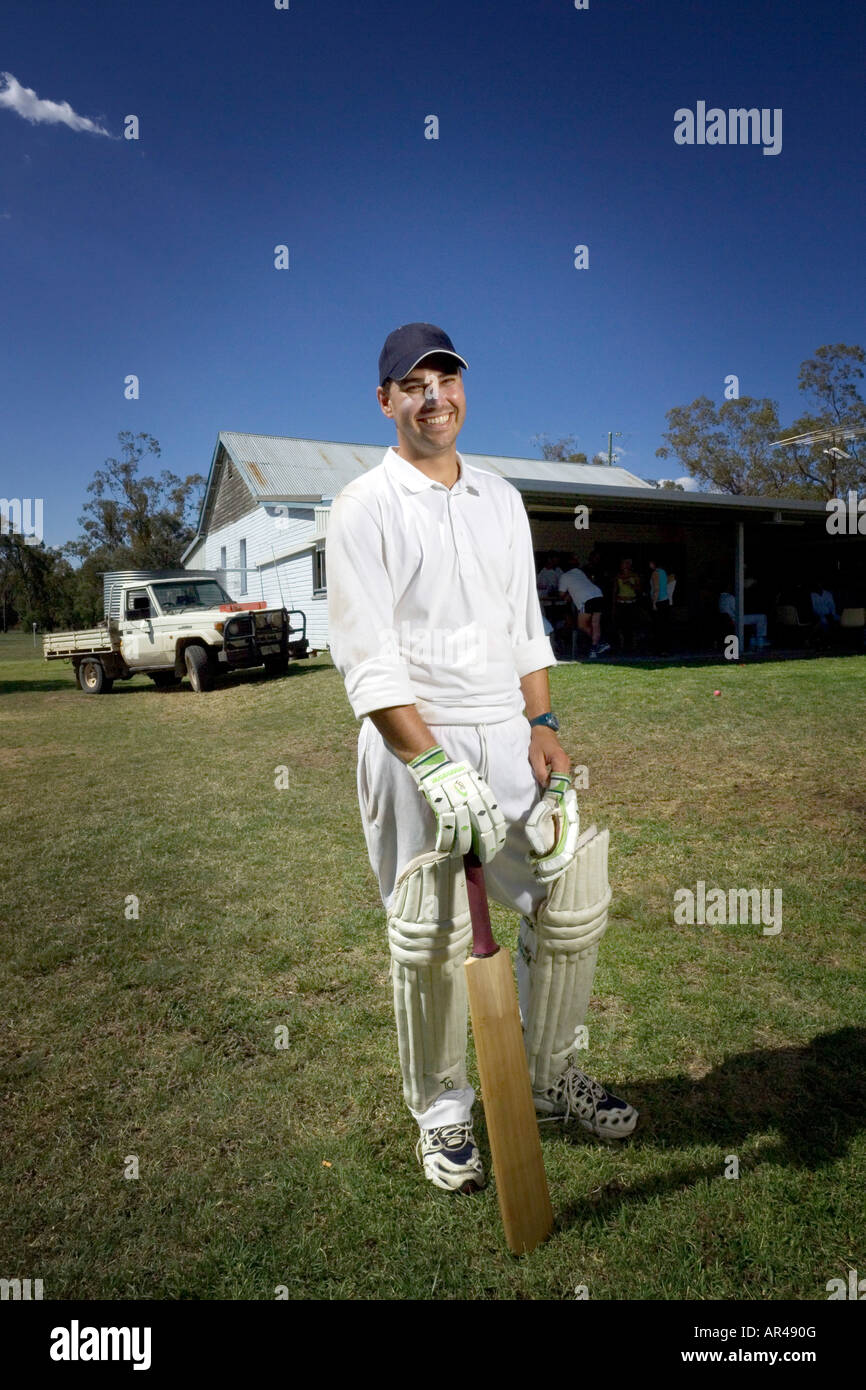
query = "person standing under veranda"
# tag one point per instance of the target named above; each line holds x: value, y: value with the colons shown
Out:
x: 588, y: 601
x: 661, y: 608
x: 626, y: 591
x: 436, y: 629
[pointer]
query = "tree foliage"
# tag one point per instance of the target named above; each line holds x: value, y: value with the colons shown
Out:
x: 728, y: 446
x: 36, y: 584
x: 829, y: 381
x: 561, y: 450
x: 146, y: 520
x: 132, y: 521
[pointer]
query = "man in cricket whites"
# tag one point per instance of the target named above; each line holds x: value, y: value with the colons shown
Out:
x: 437, y: 631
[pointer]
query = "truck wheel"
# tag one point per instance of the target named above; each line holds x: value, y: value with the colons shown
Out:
x: 92, y: 678
x: 198, y: 668
x: 276, y: 665
x: 163, y: 679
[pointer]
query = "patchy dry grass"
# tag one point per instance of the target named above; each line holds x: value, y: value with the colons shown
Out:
x: 152, y: 1036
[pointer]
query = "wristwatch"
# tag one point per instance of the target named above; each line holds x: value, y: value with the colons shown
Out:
x: 549, y: 719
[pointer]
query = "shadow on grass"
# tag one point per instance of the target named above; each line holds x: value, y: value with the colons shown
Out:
x: 254, y: 676
x: 683, y: 659
x: 812, y: 1096
x: 247, y: 677
x: 60, y: 683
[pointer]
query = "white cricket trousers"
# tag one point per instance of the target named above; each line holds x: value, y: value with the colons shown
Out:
x: 399, y: 825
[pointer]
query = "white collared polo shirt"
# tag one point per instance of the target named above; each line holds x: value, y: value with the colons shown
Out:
x: 431, y: 594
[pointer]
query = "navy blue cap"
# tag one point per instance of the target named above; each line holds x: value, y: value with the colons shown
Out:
x: 409, y: 345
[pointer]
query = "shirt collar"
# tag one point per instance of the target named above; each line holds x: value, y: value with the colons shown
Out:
x: 416, y: 481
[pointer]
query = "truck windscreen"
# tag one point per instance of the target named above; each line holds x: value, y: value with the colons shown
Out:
x: 180, y: 595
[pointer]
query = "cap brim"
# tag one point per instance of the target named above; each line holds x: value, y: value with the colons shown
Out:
x: 433, y: 352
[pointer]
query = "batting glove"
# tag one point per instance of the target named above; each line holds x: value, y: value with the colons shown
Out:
x: 553, y: 829
x: 467, y: 816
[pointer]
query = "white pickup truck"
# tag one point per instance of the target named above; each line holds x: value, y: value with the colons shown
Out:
x: 177, y: 624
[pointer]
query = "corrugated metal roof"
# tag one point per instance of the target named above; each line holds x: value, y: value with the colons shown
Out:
x: 552, y: 471
x: 661, y: 499
x: 277, y: 469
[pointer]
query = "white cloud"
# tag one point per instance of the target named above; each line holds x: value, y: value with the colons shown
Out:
x: 38, y: 111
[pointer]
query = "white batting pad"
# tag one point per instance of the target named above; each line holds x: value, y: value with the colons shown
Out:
x: 557, y: 956
x: 429, y: 934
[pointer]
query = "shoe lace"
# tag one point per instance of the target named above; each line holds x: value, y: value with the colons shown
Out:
x: 455, y: 1136
x: 574, y: 1084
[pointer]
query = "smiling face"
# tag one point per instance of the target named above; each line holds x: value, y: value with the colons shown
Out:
x: 428, y: 408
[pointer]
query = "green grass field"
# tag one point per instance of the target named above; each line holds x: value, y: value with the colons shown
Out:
x: 149, y: 1039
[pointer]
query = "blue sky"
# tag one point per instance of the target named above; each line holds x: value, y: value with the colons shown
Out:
x: 306, y: 127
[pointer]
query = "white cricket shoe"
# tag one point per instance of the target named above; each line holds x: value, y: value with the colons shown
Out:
x: 574, y: 1093
x: 451, y: 1158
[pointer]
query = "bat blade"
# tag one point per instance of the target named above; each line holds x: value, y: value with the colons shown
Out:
x: 512, y: 1126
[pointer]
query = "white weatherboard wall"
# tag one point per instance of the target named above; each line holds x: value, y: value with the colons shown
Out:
x: 281, y: 527
x: 196, y: 560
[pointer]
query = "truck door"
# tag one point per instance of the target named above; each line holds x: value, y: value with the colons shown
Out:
x: 141, y: 642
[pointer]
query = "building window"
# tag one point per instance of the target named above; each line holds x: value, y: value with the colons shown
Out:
x: 320, y: 581
x: 223, y: 560
x: 243, y: 587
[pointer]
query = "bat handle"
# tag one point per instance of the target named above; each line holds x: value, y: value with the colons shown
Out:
x: 483, y: 942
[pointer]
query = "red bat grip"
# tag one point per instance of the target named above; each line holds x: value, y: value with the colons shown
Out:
x: 483, y: 942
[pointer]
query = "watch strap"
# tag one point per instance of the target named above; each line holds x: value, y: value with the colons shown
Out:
x: 549, y: 719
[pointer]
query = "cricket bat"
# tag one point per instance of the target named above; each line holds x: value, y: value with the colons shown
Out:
x: 521, y: 1183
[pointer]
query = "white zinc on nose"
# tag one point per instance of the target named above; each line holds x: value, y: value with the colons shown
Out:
x: 431, y: 386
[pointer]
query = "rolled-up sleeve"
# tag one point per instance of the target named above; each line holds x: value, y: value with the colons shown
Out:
x: 531, y: 647
x: 363, y: 638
